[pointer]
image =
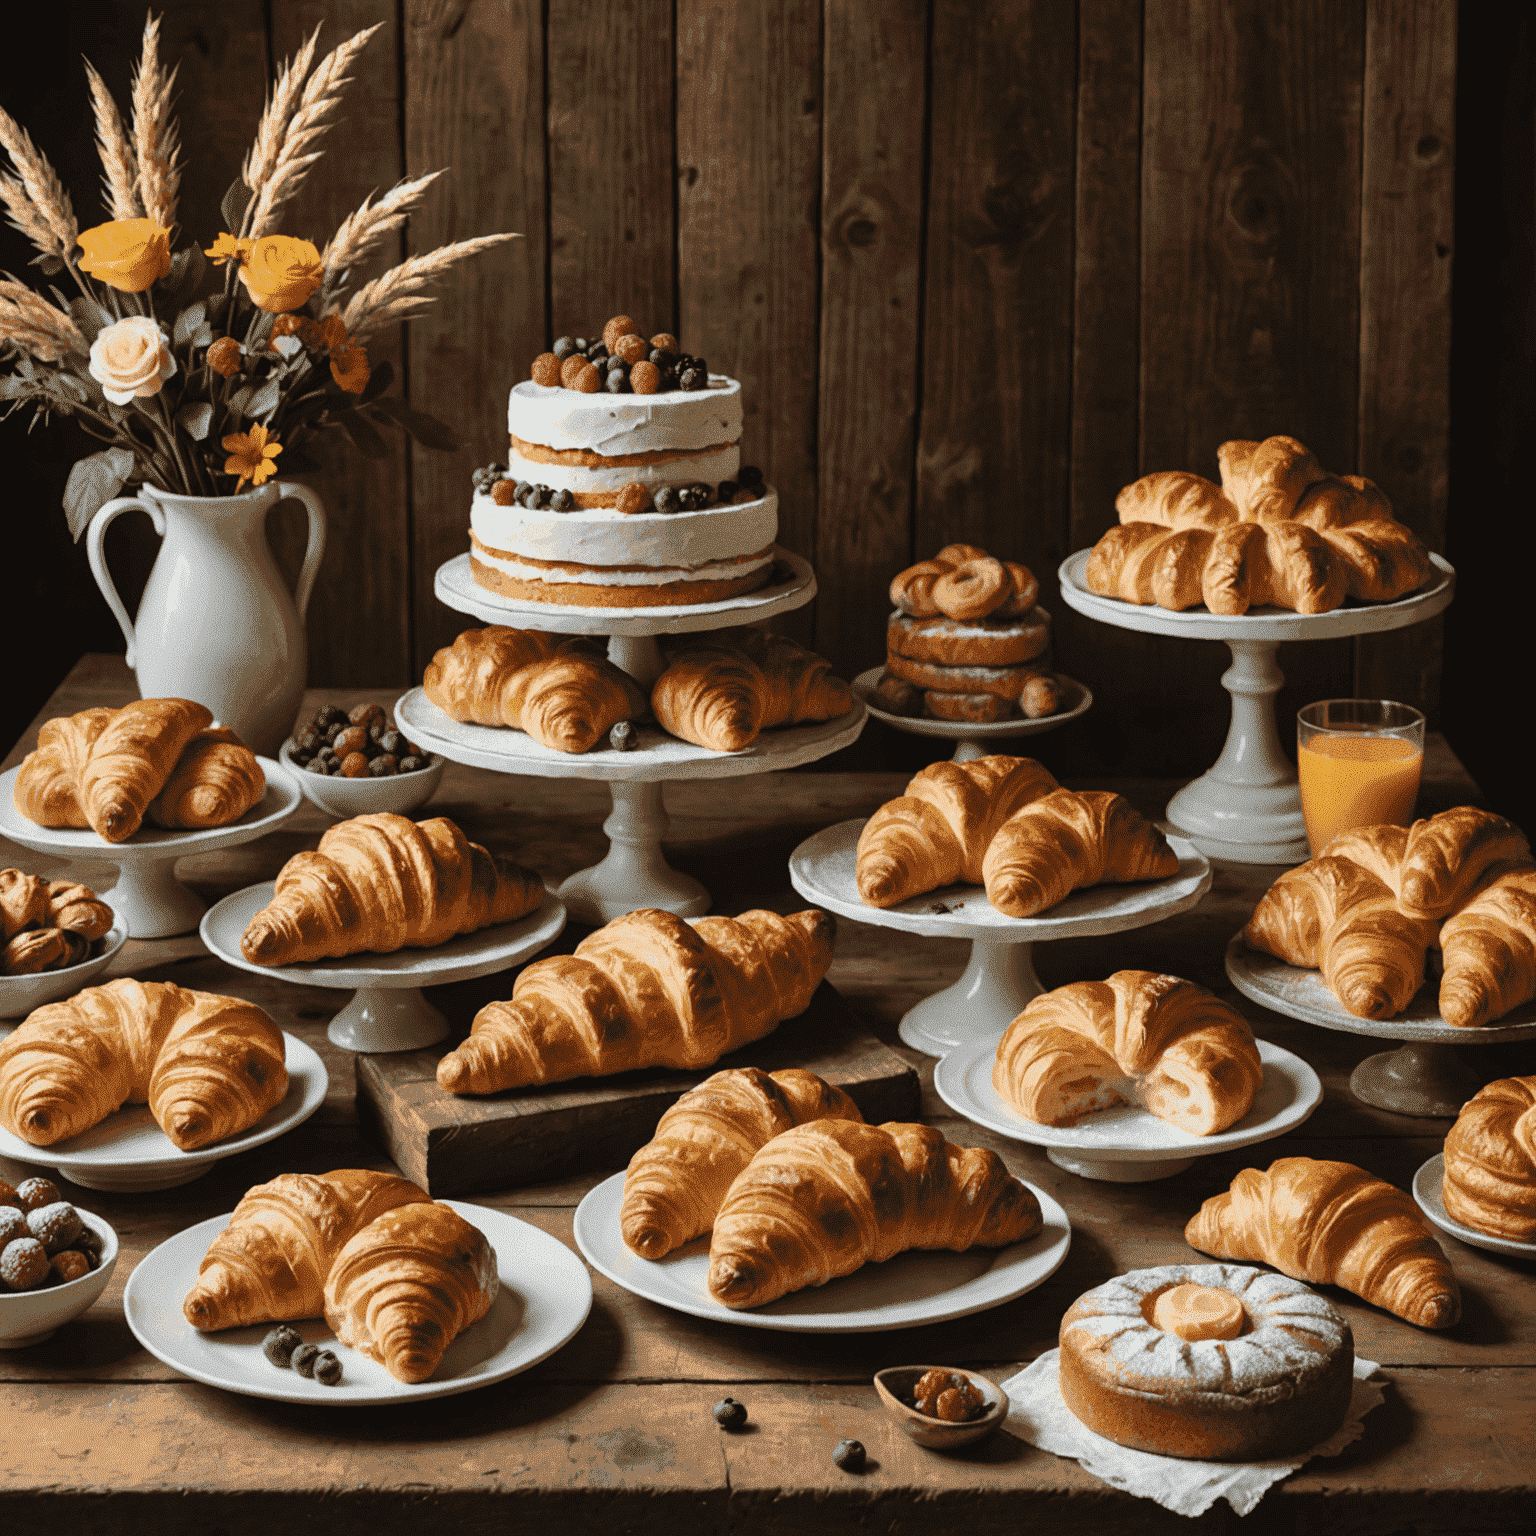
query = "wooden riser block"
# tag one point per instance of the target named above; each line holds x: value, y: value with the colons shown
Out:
x: 452, y: 1145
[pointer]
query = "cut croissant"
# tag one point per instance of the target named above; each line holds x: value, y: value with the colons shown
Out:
x: 1333, y: 1224
x: 1157, y: 1041
x: 1490, y: 1161
x: 379, y: 883
x: 552, y: 687
x: 823, y: 1199
x: 647, y: 990
x: 208, y: 1066
x: 676, y: 1181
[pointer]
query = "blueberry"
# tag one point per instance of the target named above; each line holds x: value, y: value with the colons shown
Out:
x: 580, y: 344
x: 538, y: 496
x: 666, y: 500
x: 751, y: 476
x: 303, y: 1359
x: 661, y: 358
x: 849, y: 1455
x: 317, y: 765
x: 624, y: 737
x: 391, y: 742
x: 729, y: 1414
x: 616, y: 362
x: 597, y: 354
x: 565, y: 346
x: 563, y: 501
x: 279, y: 1345
x: 617, y: 382
x: 327, y: 1368
x: 691, y: 378
x: 726, y: 490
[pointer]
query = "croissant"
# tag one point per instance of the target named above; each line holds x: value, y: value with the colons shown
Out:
x: 550, y: 686
x: 270, y: 1264
x: 77, y: 909
x: 937, y: 832
x: 42, y: 949
x: 1490, y: 1161
x: 215, y: 781
x: 1157, y: 1041
x: 721, y: 694
x: 1065, y: 841
x: 647, y: 990
x: 23, y: 903
x: 1489, y: 948
x: 823, y: 1199
x: 1333, y: 1224
x: 1280, y: 529
x: 207, y: 1066
x: 380, y: 883
x: 46, y: 789
x: 406, y: 1285
x: 964, y: 582
x: 676, y: 1181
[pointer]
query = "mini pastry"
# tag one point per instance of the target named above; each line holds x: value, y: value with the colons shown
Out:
x: 47, y: 925
x: 1490, y: 1161
x: 1208, y: 1362
x: 989, y: 642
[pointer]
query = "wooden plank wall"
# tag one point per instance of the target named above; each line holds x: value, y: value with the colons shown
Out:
x: 977, y: 262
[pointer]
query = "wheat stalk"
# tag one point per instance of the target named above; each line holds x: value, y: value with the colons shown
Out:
x: 38, y: 204
x: 399, y: 294
x: 156, y: 143
x: 33, y: 324
x: 281, y: 105
x: 361, y: 233
x: 119, y: 169
x: 311, y: 118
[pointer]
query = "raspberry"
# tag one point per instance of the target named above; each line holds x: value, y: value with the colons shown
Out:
x: 645, y: 378
x: 632, y: 349
x: 664, y: 341
x: 503, y: 492
x: 620, y: 325
x: 546, y: 370
x: 589, y: 380
x: 571, y: 367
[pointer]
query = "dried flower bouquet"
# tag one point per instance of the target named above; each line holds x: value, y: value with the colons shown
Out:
x: 200, y: 366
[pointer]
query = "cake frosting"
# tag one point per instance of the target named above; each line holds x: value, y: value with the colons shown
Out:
x: 614, y: 425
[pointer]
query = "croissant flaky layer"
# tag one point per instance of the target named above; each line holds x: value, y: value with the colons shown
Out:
x: 208, y: 1066
x: 1490, y: 1161
x: 646, y: 990
x: 1333, y: 1224
x: 823, y: 1199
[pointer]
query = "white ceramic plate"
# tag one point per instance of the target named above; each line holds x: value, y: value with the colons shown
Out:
x: 1076, y: 700
x: 19, y: 995
x: 128, y: 1151
x: 544, y: 1299
x: 911, y: 1289
x: 1426, y: 1191
x: 1289, y: 1093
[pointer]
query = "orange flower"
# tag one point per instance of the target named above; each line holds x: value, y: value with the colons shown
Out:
x: 228, y: 248
x: 251, y: 455
x: 224, y: 356
x: 302, y: 326
x: 281, y: 272
x: 349, y: 367
x: 127, y: 254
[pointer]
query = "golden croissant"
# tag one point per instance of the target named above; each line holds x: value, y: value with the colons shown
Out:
x: 552, y: 687
x: 646, y: 990
x: 822, y: 1199
x: 676, y: 1181
x: 1490, y: 1161
x: 216, y: 780
x: 1158, y: 1041
x: 1489, y: 949
x: 1333, y: 1224
x: 24, y: 903
x: 937, y: 832
x: 380, y: 883
x: 78, y: 909
x: 208, y: 1066
x: 721, y: 693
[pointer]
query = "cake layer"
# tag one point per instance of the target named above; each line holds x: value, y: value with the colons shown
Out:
x: 605, y: 537
x: 652, y: 470
x: 623, y: 424
x: 619, y: 589
x: 628, y: 575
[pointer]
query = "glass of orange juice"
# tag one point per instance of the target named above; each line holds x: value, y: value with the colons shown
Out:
x: 1359, y: 762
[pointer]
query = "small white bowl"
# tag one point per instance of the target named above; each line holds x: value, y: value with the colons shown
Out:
x: 19, y: 995
x: 345, y: 798
x: 29, y: 1317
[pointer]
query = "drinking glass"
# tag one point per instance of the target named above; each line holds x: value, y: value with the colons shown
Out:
x: 1359, y: 762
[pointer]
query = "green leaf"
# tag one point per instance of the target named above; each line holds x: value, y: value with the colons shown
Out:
x: 265, y: 400
x: 90, y: 318
x: 92, y: 483
x: 239, y: 403
x: 235, y: 202
x: 195, y: 420
x: 379, y: 380
x: 15, y: 386
x: 187, y: 323
x: 49, y: 264
x: 367, y: 437
x: 427, y: 430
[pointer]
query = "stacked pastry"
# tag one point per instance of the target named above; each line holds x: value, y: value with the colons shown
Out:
x: 967, y: 641
x: 1490, y: 1161
x: 46, y: 925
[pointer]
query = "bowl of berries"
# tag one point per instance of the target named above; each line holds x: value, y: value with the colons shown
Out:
x: 351, y: 763
x: 55, y: 1260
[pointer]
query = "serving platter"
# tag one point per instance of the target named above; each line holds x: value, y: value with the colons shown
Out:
x: 1429, y: 1198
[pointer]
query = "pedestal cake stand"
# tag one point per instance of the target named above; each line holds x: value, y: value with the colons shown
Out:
x: 1246, y: 806
x: 975, y: 738
x: 1000, y: 976
x: 634, y: 873
x: 148, y: 898
x: 1424, y: 1077
x: 387, y: 1011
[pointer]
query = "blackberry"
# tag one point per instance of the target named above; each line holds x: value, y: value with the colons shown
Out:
x: 617, y: 382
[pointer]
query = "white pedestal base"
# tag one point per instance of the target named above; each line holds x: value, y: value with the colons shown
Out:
x: 126, y: 1181
x: 634, y: 873
x: 999, y: 980
x: 387, y: 1019
x: 151, y: 902
x: 1114, y: 1171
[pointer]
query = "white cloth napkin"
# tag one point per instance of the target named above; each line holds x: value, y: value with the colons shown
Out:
x: 1037, y: 1414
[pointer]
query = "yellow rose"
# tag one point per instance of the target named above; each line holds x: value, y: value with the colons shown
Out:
x: 281, y: 273
x: 131, y: 358
x: 127, y: 254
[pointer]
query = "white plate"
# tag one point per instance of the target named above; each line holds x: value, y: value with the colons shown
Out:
x: 1288, y: 1094
x: 128, y: 1151
x: 543, y: 1301
x: 904, y: 1292
x: 1077, y: 700
x: 1426, y: 1191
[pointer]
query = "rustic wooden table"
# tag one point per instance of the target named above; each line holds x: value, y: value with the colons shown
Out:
x: 99, y: 1436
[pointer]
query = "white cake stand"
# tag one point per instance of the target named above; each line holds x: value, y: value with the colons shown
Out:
x: 1000, y: 976
x: 1427, y: 1193
x: 975, y: 738
x: 1246, y: 806
x: 1127, y: 1144
x: 387, y: 1012
x: 1424, y: 1077
x: 634, y: 873
x: 148, y: 898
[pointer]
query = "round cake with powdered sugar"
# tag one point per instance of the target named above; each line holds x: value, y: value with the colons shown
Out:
x: 1208, y: 1362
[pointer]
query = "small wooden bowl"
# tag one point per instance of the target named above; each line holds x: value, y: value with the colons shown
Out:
x: 896, y: 1383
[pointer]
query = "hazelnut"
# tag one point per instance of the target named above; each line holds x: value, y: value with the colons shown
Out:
x: 503, y: 492
x: 366, y: 715
x: 354, y: 766
x: 545, y: 370
x: 664, y: 341
x: 631, y: 349
x: 588, y: 380
x: 353, y: 739
x: 645, y: 378
x: 634, y: 498
x: 620, y: 325
x: 571, y: 367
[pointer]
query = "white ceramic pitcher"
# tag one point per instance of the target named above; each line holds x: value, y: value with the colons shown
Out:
x: 216, y: 623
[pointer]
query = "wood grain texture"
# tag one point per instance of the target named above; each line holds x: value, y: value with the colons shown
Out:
x: 871, y: 251
x: 474, y: 102
x: 1406, y: 242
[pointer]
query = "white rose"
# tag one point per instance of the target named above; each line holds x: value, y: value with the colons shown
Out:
x: 131, y: 358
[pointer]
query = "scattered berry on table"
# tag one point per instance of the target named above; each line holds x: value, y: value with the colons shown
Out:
x: 303, y: 1358
x: 279, y: 1345
x: 33, y: 1194
x: 729, y: 1414
x: 327, y: 1368
x: 624, y: 737
x: 849, y: 1455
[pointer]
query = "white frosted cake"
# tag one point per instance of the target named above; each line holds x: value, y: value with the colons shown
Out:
x: 639, y: 500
